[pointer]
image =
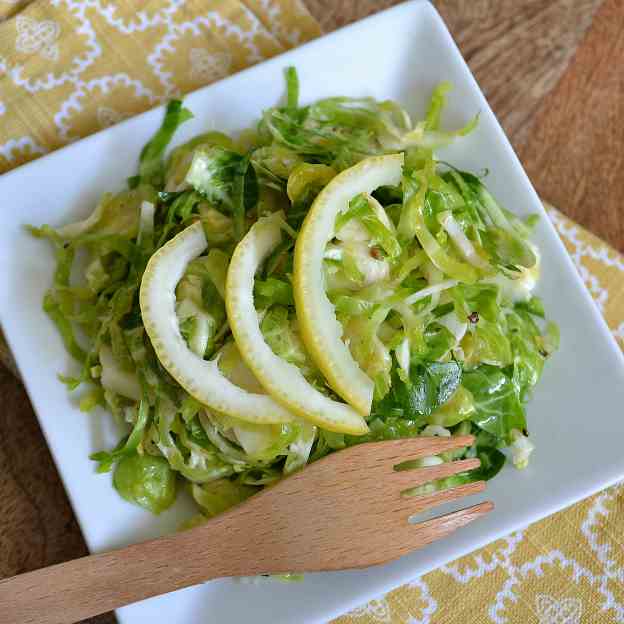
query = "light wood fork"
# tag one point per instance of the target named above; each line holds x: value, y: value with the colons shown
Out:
x: 344, y: 511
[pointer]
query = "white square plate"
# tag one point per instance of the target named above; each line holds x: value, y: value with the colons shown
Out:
x: 576, y: 414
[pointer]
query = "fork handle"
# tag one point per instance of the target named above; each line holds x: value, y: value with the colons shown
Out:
x: 75, y: 590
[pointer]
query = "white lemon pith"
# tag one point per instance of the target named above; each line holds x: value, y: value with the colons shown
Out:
x: 202, y: 379
x: 320, y: 329
x: 281, y: 379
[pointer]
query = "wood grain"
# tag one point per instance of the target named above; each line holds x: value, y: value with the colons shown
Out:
x: 518, y: 50
x: 37, y: 525
x: 575, y: 152
x: 282, y: 529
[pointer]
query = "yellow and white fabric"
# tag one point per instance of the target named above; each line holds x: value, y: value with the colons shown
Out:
x: 71, y: 67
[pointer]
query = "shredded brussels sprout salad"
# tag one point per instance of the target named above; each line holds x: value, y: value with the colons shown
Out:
x: 248, y: 305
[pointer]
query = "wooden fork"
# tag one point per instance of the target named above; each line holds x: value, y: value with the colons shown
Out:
x: 344, y: 511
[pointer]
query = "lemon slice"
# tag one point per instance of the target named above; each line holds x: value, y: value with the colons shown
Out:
x: 281, y: 379
x: 202, y: 379
x: 320, y: 329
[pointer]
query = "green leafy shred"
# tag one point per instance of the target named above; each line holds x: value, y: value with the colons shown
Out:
x: 498, y: 407
x: 151, y: 161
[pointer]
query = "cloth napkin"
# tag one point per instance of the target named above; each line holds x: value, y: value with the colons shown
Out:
x: 71, y: 67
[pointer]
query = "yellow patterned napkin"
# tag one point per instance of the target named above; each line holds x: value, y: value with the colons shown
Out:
x: 71, y: 67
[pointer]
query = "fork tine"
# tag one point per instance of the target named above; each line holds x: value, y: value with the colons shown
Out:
x: 411, y: 478
x: 416, y: 504
x: 398, y: 451
x: 418, y: 535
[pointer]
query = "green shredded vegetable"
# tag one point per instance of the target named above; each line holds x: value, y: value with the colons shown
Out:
x: 432, y: 282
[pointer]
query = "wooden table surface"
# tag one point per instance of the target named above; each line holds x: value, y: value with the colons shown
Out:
x: 551, y: 70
